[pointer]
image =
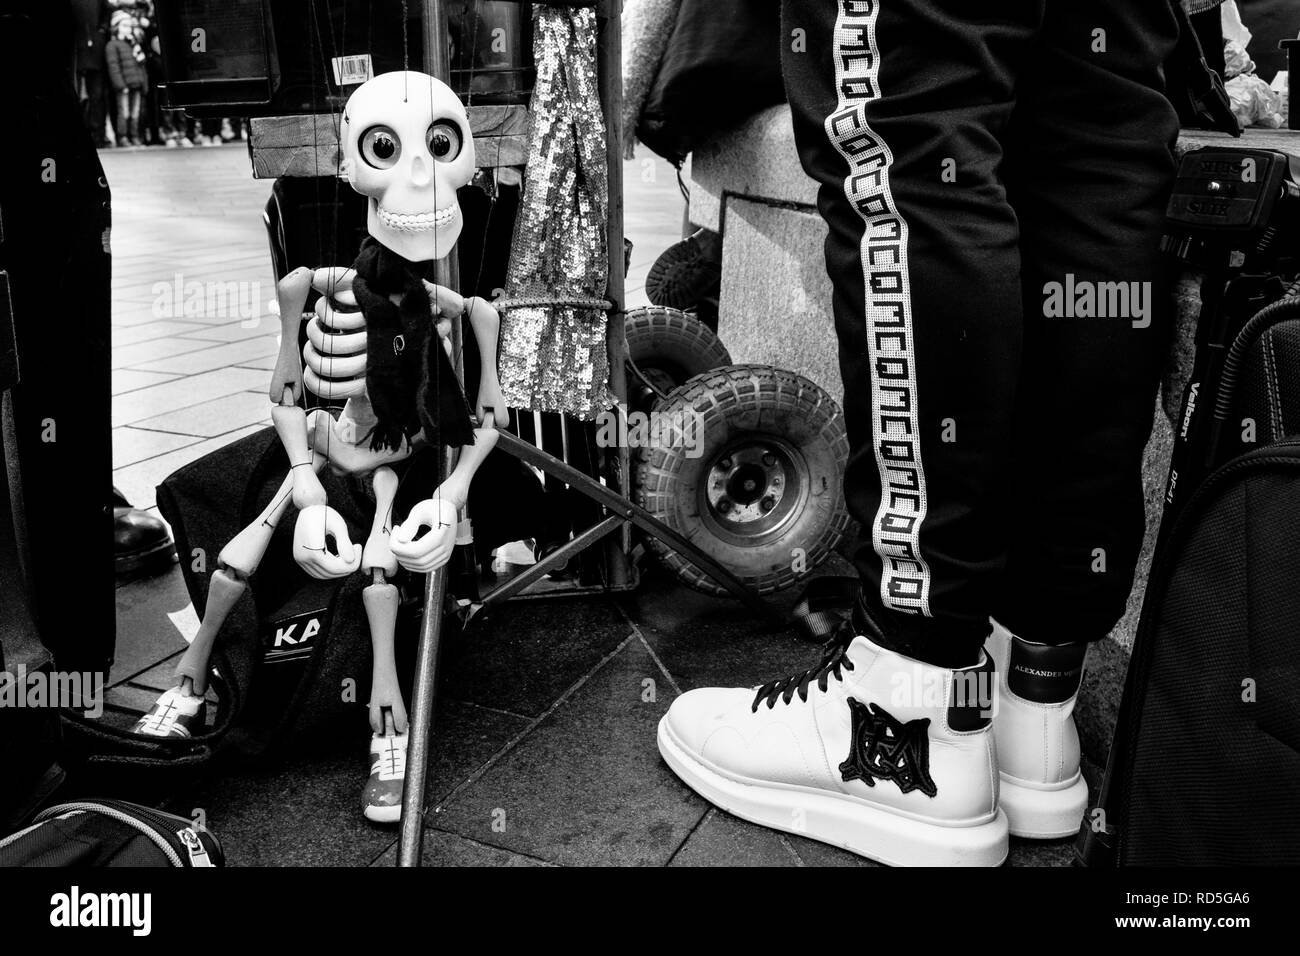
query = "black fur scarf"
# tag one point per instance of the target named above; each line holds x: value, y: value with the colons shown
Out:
x: 410, y: 381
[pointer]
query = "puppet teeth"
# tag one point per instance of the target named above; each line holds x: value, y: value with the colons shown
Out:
x: 417, y: 222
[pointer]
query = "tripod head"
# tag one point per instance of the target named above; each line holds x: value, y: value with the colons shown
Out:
x: 1236, y: 210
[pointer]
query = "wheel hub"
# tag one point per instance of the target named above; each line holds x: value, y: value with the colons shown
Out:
x: 750, y: 487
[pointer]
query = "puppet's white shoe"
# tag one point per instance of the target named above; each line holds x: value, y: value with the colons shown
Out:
x: 382, y: 800
x: 869, y: 750
x: 1042, y: 789
x: 176, y: 713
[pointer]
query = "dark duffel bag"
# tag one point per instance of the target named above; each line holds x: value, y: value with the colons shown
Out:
x: 110, y: 833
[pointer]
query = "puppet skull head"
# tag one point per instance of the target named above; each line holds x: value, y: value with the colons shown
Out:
x: 407, y: 147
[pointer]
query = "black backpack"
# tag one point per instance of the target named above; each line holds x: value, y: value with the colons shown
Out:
x: 1204, y: 767
x: 110, y: 833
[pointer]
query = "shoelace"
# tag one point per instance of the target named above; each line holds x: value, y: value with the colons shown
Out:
x: 159, y: 725
x: 833, y: 659
x: 392, y: 761
x: 164, y: 720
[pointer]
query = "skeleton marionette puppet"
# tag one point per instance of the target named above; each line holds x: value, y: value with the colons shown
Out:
x: 379, y: 340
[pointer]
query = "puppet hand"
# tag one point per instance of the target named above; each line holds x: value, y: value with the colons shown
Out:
x: 491, y: 399
x: 311, y: 533
x: 335, y: 281
x: 432, y: 551
x: 444, y: 303
x: 385, y: 693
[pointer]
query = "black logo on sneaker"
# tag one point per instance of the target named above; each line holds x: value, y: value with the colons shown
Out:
x: 885, y: 749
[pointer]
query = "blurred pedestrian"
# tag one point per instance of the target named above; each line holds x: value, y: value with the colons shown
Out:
x: 156, y: 122
x: 127, y: 75
x: 90, y: 23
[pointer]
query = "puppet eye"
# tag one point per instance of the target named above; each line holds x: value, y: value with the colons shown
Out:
x: 380, y: 147
x: 443, y: 139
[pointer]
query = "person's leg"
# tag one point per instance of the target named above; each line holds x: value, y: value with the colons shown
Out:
x: 107, y: 113
x: 166, y: 128
x: 885, y: 747
x: 134, y: 120
x: 923, y: 259
x: 95, y: 95
x: 1089, y: 167
x: 92, y: 91
x: 150, y: 127
x: 181, y: 127
x: 120, y: 124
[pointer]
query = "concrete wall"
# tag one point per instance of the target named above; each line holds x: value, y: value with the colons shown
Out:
x: 775, y: 308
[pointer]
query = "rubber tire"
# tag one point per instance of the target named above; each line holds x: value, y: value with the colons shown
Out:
x: 734, y: 403
x: 684, y: 274
x: 670, y: 346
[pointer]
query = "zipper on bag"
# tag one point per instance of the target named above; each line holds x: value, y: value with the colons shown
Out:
x: 69, y: 809
x: 193, y: 844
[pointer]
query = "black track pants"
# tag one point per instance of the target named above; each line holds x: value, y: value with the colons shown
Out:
x: 994, y: 178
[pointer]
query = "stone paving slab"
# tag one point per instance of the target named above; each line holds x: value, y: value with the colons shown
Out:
x: 214, y: 357
x: 131, y: 445
x: 724, y: 840
x: 526, y: 654
x: 129, y: 380
x: 139, y: 482
x: 182, y: 392
x: 231, y: 331
x: 307, y: 812
x: 154, y: 621
x: 151, y: 350
x: 212, y: 418
x: 587, y: 786
x: 446, y: 849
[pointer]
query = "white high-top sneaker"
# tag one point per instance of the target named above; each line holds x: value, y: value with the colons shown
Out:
x: 869, y: 750
x: 1043, y: 792
x: 381, y: 800
x: 176, y: 713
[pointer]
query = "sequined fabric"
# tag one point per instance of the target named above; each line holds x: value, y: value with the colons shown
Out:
x: 553, y: 358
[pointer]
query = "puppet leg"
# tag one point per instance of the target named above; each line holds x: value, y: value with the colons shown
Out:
x: 382, y: 799
x: 180, y: 710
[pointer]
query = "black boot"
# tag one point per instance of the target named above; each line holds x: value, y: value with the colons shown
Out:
x: 142, y: 544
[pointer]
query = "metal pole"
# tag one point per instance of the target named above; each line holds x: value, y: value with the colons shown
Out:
x: 609, y: 79
x: 423, y: 698
x: 410, y: 840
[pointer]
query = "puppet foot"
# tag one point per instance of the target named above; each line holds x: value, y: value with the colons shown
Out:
x: 177, y: 713
x: 382, y: 799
